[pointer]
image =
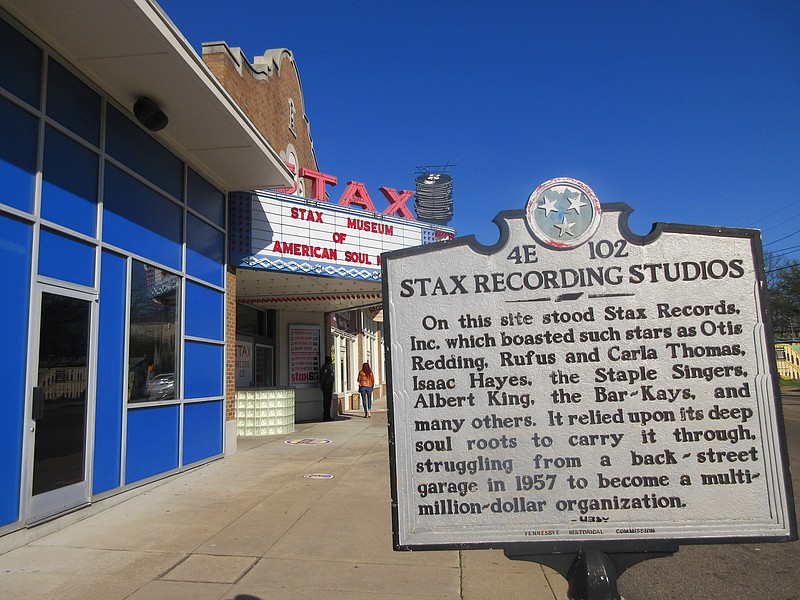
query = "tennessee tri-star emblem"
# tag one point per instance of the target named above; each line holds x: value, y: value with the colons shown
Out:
x: 563, y: 213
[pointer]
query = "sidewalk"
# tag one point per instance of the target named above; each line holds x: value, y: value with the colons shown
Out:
x: 252, y: 526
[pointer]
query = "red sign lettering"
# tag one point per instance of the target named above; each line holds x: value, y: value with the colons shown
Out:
x: 307, y: 215
x: 397, y: 202
x: 356, y: 194
x: 318, y: 181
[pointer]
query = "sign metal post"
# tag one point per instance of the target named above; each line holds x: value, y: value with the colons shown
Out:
x: 582, y: 396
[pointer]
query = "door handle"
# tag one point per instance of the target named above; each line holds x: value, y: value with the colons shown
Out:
x: 38, y: 403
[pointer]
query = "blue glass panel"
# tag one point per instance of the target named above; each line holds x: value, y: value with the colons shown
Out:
x: 110, y: 373
x: 152, y: 443
x: 15, y: 269
x: 67, y: 259
x: 206, y: 199
x: 69, y: 188
x: 129, y: 144
x: 205, y: 312
x: 137, y: 219
x: 73, y: 103
x: 21, y: 67
x: 204, y: 366
x: 202, y: 430
x: 205, y: 251
x: 17, y: 155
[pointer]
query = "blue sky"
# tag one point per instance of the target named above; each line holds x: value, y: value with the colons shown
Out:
x: 689, y: 111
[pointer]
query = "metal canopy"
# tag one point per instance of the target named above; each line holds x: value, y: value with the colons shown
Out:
x: 130, y: 48
x: 304, y: 293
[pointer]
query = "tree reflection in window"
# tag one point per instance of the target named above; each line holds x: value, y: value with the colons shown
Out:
x: 152, y: 347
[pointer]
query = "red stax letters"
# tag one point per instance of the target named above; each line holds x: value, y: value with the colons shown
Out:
x: 356, y: 194
x: 318, y: 181
x: 397, y: 203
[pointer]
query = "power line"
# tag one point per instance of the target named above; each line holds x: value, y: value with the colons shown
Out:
x: 794, y: 264
x: 775, y: 213
x: 797, y: 216
x: 783, y: 238
x: 783, y: 251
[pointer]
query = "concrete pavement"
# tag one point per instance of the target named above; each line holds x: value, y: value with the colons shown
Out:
x: 253, y: 526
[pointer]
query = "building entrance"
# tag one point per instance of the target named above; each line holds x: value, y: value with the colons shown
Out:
x: 59, y: 404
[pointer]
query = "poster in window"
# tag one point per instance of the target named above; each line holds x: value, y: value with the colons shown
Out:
x: 305, y: 346
x: 244, y: 364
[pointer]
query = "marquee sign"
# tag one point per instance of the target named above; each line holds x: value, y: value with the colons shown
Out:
x: 578, y: 383
x: 284, y: 233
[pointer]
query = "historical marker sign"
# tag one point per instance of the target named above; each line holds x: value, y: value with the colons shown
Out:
x: 576, y: 383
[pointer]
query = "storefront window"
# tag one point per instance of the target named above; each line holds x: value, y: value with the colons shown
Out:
x: 346, y: 321
x: 255, y: 343
x: 22, y: 64
x: 152, y: 349
x: 249, y: 320
x: 264, y: 366
x: 205, y: 198
x: 69, y: 185
x: 133, y: 147
x: 73, y: 103
x: 18, y: 147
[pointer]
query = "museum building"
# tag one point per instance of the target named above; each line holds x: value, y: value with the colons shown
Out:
x: 305, y: 266
x: 147, y: 234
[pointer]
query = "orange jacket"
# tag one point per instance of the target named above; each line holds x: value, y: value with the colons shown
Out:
x: 365, y: 380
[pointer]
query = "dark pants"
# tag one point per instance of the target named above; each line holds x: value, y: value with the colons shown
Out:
x: 327, y: 396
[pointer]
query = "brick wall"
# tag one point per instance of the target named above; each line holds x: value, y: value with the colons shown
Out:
x: 262, y: 90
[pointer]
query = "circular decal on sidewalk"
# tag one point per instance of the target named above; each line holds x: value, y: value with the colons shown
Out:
x: 308, y: 442
x: 563, y: 213
x: 318, y: 476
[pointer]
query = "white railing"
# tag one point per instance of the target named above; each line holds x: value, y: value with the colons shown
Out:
x: 788, y: 359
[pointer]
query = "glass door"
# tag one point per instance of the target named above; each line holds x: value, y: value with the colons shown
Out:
x: 60, y: 401
x: 265, y: 372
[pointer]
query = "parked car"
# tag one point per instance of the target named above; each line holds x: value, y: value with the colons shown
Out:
x: 161, y: 387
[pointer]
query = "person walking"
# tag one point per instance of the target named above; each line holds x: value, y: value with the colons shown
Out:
x: 366, y: 381
x: 326, y: 379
